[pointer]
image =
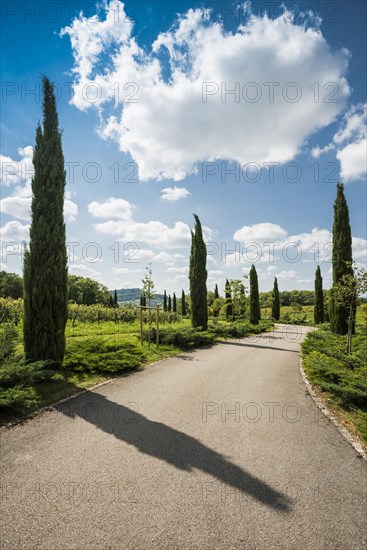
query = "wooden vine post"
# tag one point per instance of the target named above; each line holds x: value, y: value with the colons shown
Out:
x: 141, y: 325
x: 157, y: 328
x: 156, y: 321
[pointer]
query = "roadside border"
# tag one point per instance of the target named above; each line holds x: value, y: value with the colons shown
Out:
x: 352, y: 440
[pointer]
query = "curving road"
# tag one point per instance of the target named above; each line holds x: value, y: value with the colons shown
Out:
x: 221, y: 448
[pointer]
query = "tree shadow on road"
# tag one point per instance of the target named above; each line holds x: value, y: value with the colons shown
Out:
x: 269, y: 347
x: 165, y: 443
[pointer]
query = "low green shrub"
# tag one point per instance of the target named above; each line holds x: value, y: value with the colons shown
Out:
x: 100, y: 356
x: 190, y: 338
x: 18, y: 398
x: 9, y: 338
x: 17, y: 378
x: 182, y: 338
x: 233, y: 330
x: 328, y: 366
x: 19, y: 373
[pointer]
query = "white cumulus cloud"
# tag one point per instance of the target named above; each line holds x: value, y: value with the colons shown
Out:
x: 112, y: 208
x: 174, y: 194
x: 18, y: 174
x: 260, y: 232
x: 168, y: 124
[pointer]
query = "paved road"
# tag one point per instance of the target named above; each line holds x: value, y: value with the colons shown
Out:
x: 221, y: 448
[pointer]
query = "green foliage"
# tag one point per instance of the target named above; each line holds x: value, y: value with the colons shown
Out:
x: 165, y: 306
x: 287, y: 297
x: 13, y: 373
x: 83, y: 290
x: 18, y: 398
x: 183, y: 338
x: 341, y: 260
x: 98, y: 355
x: 237, y: 299
x: 328, y: 366
x: 183, y: 303
x: 229, y: 304
x: 217, y: 306
x: 45, y: 262
x: 190, y: 338
x: 254, y: 297
x: 9, y: 338
x: 319, y: 298
x: 148, y: 286
x: 17, y: 378
x: 11, y: 311
x: 174, y: 303
x: 216, y: 292
x: 197, y: 276
x: 11, y: 285
x: 275, y: 304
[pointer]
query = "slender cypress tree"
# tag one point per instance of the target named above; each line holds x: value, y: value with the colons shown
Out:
x: 216, y: 293
x: 342, y: 259
x: 242, y: 304
x: 254, y: 297
x: 165, y: 301
x: 198, y: 275
x: 183, y: 302
x: 229, y: 304
x: 275, y: 302
x: 45, y: 262
x: 169, y: 303
x: 174, y: 303
x: 111, y: 301
x: 115, y: 302
x: 318, y: 311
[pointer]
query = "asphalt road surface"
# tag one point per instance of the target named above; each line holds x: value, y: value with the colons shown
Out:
x: 221, y: 448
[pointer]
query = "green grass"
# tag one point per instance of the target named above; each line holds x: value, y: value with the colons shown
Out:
x: 340, y: 379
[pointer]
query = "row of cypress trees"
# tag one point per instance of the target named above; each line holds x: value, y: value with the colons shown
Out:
x: 45, y: 261
x: 170, y: 304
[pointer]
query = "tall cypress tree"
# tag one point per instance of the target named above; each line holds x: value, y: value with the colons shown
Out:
x: 174, y: 303
x: 169, y: 303
x: 254, y: 297
x: 216, y: 293
x: 165, y: 301
x: 45, y: 262
x: 198, y: 275
x: 318, y: 311
x: 242, y: 304
x: 275, y: 302
x: 229, y: 304
x: 342, y: 259
x: 183, y: 302
x: 115, y: 299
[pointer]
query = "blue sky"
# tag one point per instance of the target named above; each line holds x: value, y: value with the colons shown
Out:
x: 145, y: 89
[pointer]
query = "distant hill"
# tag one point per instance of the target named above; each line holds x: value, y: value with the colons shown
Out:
x: 132, y: 296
